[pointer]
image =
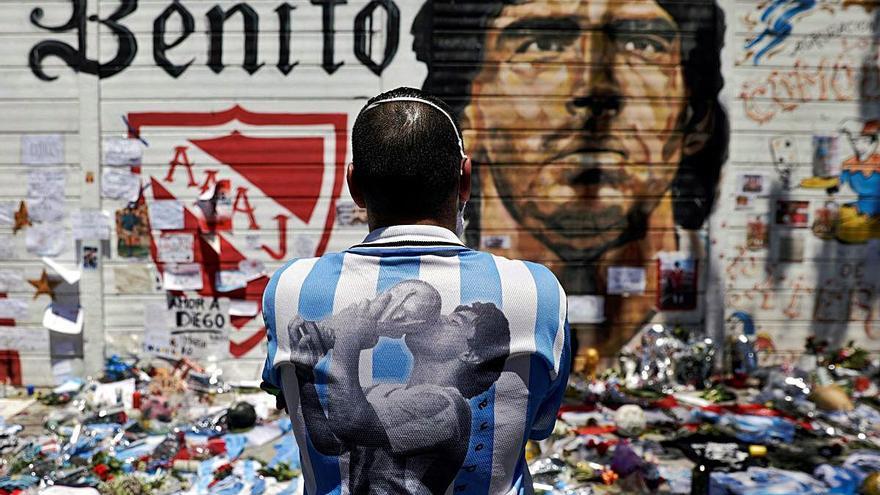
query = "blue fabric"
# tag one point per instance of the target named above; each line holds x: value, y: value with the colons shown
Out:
x: 270, y: 374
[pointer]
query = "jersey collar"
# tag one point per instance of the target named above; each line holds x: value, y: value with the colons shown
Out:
x: 412, y: 235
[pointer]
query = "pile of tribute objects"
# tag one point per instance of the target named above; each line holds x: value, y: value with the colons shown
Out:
x: 685, y: 416
x: 175, y: 429
x: 677, y: 413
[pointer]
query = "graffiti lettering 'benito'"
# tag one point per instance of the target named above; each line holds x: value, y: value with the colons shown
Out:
x: 163, y: 42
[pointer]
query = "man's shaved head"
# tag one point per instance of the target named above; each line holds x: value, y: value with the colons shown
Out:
x: 406, y: 155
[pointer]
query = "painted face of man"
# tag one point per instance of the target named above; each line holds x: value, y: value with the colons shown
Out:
x: 578, y: 112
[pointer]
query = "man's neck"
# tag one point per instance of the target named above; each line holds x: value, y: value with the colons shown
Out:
x: 382, y: 223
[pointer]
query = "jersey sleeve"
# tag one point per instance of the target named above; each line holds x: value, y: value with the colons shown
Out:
x: 271, y: 378
x: 553, y: 350
x: 545, y: 419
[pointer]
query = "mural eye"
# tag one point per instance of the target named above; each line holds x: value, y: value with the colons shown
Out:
x: 648, y: 47
x: 544, y: 44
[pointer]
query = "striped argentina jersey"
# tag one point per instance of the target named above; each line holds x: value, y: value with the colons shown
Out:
x: 413, y: 364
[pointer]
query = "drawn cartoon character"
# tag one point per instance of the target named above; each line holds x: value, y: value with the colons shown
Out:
x: 860, y: 221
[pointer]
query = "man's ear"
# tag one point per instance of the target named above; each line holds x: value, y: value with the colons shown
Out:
x: 356, y: 194
x: 699, y: 134
x: 464, y: 184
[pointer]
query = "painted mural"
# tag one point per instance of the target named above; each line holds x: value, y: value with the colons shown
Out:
x: 671, y: 161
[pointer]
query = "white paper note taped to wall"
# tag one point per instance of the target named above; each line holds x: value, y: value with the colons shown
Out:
x: 166, y: 214
x: 25, y: 340
x: 46, y: 239
x: 175, y: 248
x: 119, y: 183
x: 626, y: 280
x: 13, y: 309
x: 122, y: 151
x: 183, y: 276
x: 7, y: 212
x: 10, y: 280
x: 134, y: 278
x: 42, y: 149
x: 90, y: 224
x: 586, y: 309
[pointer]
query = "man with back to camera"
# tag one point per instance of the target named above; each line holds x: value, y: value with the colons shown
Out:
x: 411, y: 363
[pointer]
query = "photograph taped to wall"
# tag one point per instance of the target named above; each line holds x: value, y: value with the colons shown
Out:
x: 753, y: 184
x: 793, y: 213
x: 90, y: 256
x: 826, y: 156
x: 677, y: 281
x: 133, y: 231
x: 756, y: 233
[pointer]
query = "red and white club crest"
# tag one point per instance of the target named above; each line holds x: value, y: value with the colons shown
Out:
x: 256, y: 187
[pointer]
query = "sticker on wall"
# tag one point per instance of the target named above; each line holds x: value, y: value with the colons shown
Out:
x: 790, y: 247
x: 174, y: 248
x: 122, y: 151
x: 46, y: 239
x: 756, y: 233
x: 42, y: 149
x: 133, y: 231
x: 120, y: 183
x: 586, y: 309
x: 626, y: 280
x: 825, y: 220
x: 166, y: 214
x: 793, y: 213
x: 182, y: 276
x: 90, y: 224
x: 90, y: 257
x: 44, y: 285
x: 677, y: 281
x: 495, y: 241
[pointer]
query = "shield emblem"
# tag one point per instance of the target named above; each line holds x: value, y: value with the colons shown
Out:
x: 276, y: 176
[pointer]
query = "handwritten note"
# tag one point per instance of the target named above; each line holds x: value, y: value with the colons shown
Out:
x: 175, y: 248
x: 46, y: 239
x: 183, y: 276
x: 90, y: 224
x: 586, y: 309
x: 42, y: 149
x: 122, y: 151
x: 45, y: 195
x: 119, y: 183
x: 166, y: 214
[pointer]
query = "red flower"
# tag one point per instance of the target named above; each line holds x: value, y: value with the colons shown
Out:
x: 103, y: 472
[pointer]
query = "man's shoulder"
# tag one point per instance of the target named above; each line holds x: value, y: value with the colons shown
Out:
x: 517, y: 268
